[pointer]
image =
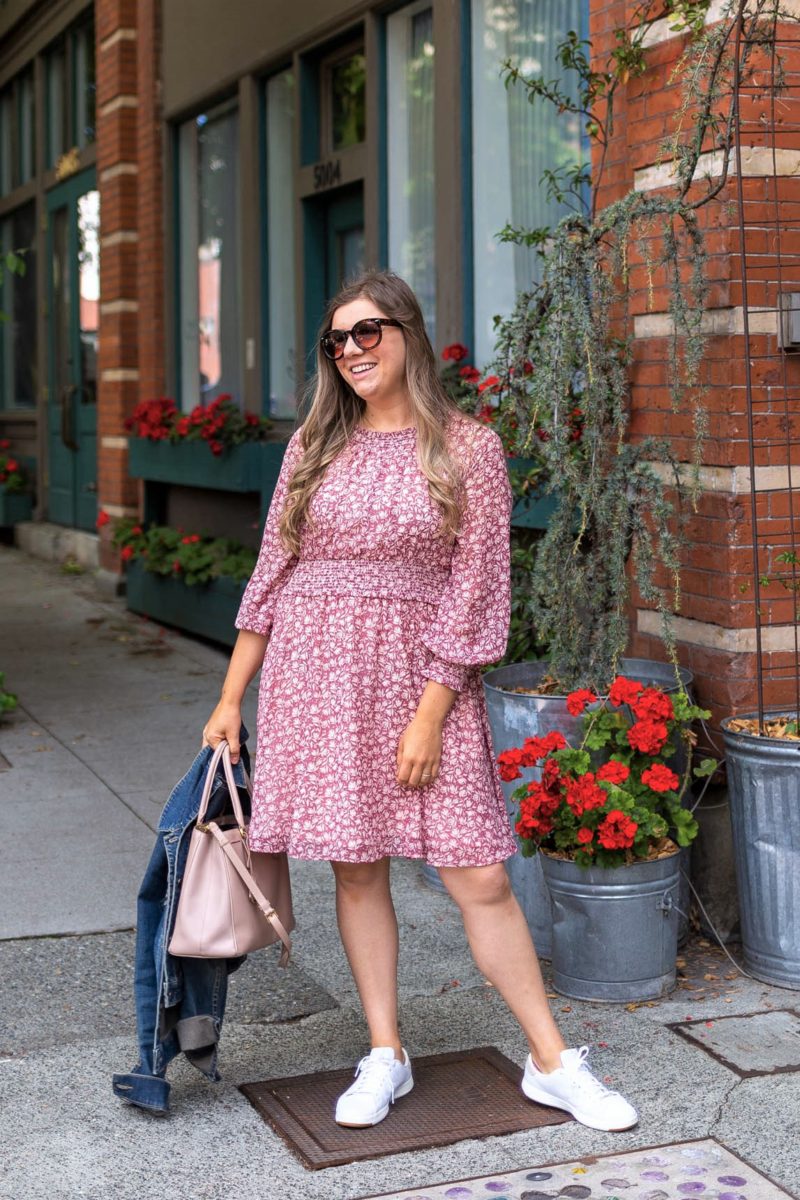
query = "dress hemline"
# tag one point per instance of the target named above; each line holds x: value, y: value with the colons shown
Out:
x: 319, y: 854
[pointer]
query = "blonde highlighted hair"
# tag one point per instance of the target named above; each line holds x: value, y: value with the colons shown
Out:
x: 336, y: 410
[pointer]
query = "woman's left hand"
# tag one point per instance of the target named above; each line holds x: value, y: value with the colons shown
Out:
x: 419, y: 753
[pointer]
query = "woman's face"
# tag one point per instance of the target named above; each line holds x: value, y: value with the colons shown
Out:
x: 372, y: 374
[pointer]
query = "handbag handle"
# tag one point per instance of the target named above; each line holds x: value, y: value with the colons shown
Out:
x: 222, y: 752
x: 256, y: 894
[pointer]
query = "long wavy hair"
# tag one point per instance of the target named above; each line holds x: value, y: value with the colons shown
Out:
x: 336, y: 410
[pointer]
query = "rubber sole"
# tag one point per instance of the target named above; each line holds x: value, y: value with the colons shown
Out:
x: 551, y: 1102
x: 403, y: 1090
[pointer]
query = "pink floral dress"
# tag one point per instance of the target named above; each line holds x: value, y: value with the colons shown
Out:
x: 373, y: 607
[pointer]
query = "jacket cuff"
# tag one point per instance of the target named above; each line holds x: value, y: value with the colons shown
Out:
x: 144, y: 1091
x: 450, y: 674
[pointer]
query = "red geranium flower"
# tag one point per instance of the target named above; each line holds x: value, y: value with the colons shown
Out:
x: 176, y: 566
x: 126, y: 553
x: 624, y: 691
x: 455, y: 352
x: 585, y: 836
x: 4, y: 443
x: 660, y: 778
x: 583, y: 794
x: 653, y: 705
x: 648, y: 737
x: 613, y: 772
x: 470, y: 374
x: 137, y: 529
x: 509, y: 763
x: 617, y: 831
x: 102, y: 519
x: 490, y: 384
x: 12, y: 464
x: 554, y: 741
x: 577, y: 701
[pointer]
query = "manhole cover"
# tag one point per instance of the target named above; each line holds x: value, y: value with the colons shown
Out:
x: 471, y: 1094
x: 761, y: 1044
x: 683, y: 1171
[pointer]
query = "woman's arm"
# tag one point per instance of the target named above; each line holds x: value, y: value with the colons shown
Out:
x: 419, y: 750
x: 226, y: 719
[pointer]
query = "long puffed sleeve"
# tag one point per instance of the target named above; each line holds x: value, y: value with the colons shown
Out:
x: 471, y: 625
x: 275, y: 564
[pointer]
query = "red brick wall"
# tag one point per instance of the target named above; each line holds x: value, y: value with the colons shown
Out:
x: 130, y: 180
x: 718, y: 608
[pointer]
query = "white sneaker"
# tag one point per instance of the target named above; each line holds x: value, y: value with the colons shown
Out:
x: 574, y: 1088
x: 380, y: 1080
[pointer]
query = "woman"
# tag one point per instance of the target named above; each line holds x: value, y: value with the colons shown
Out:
x: 381, y: 587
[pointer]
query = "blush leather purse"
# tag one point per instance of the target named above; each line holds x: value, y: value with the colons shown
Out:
x: 223, y: 910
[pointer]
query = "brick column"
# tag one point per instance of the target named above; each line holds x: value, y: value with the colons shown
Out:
x: 716, y: 625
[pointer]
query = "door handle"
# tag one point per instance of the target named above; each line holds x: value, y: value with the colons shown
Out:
x: 67, y: 396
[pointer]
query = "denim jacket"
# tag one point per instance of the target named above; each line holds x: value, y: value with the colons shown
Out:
x: 180, y: 1002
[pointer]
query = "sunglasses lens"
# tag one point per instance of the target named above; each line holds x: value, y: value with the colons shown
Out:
x: 333, y: 344
x: 367, y: 334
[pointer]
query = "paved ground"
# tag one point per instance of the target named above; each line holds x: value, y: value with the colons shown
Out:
x: 111, y: 713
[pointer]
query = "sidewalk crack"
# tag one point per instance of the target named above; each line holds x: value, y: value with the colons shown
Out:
x: 737, y: 1082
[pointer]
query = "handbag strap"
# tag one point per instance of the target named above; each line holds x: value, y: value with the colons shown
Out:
x: 254, y: 890
x: 223, y: 753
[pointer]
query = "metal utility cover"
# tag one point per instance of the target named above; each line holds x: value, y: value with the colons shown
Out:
x: 765, y: 1043
x: 470, y: 1094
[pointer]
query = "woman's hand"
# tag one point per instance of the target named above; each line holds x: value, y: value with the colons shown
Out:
x: 419, y: 752
x: 224, y: 722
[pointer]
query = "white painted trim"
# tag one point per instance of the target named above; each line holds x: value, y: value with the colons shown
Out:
x: 774, y: 639
x: 659, y: 31
x: 757, y: 162
x: 717, y: 322
x: 118, y: 238
x: 119, y: 375
x: 126, y: 34
x: 734, y: 480
x: 119, y: 306
x: 120, y: 510
x: 114, y: 443
x: 123, y: 168
x: 111, y: 106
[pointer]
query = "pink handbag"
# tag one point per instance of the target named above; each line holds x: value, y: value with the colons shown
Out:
x: 223, y: 910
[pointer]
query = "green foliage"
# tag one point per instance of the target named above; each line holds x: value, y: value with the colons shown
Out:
x: 193, y: 558
x: 8, y: 701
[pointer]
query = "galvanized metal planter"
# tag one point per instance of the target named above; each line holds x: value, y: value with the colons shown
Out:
x: 615, y: 931
x: 764, y: 791
x: 512, y: 718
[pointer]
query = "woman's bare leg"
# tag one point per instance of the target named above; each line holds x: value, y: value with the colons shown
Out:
x: 501, y: 945
x: 368, y: 928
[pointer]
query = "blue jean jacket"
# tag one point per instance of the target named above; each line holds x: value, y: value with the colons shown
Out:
x: 180, y: 1002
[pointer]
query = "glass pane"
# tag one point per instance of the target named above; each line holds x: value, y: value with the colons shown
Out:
x: 56, y: 103
x: 209, y: 258
x: 348, y: 101
x: 27, y: 127
x: 84, y: 86
x: 514, y: 142
x: 89, y: 291
x: 22, y: 327
x: 350, y: 254
x: 280, y: 244
x: 60, y: 267
x: 6, y: 143
x: 411, y: 154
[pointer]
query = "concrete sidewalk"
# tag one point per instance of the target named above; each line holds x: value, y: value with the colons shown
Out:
x: 111, y: 710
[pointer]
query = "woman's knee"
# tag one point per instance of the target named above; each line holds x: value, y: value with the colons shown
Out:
x: 357, y: 877
x: 477, y: 885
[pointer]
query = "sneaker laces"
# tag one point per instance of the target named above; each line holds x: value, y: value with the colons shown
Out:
x: 367, y: 1071
x: 585, y: 1079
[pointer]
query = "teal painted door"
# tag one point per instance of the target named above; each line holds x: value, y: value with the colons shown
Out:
x: 344, y: 237
x: 73, y: 305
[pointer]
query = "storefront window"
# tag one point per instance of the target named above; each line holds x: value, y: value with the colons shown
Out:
x: 348, y: 101
x: 209, y: 256
x: 70, y: 92
x: 411, y: 155
x: 18, y: 302
x: 514, y: 142
x: 17, y: 154
x: 280, y: 99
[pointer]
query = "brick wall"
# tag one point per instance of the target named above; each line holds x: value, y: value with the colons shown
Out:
x: 130, y: 180
x: 716, y: 628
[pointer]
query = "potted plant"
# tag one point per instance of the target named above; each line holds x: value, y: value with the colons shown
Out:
x: 606, y: 818
x: 184, y: 579
x: 16, y: 500
x: 169, y: 446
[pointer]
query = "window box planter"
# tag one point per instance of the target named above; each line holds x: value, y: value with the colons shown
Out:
x: 206, y: 609
x: 237, y: 469
x: 15, y: 507
x: 534, y: 511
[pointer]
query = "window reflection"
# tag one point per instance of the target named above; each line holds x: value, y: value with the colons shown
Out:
x: 348, y: 101
x: 89, y: 290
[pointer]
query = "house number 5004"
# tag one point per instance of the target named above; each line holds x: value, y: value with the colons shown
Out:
x: 327, y: 174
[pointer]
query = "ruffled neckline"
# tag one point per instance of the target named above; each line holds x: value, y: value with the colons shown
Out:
x: 386, y: 433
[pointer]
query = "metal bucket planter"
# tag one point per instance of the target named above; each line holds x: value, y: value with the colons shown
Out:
x: 615, y: 931
x: 512, y: 718
x: 764, y: 792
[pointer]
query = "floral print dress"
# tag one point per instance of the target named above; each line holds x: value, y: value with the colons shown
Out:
x: 372, y: 608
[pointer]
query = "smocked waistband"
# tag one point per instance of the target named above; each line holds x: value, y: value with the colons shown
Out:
x: 359, y: 577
